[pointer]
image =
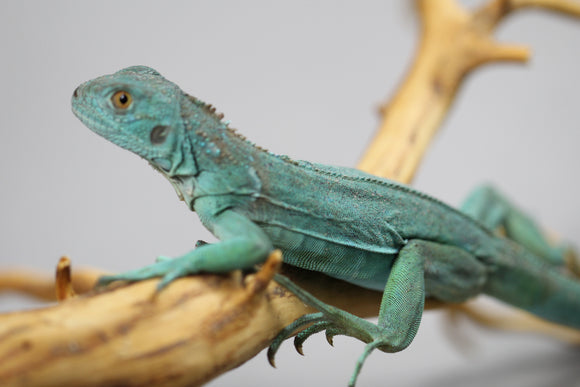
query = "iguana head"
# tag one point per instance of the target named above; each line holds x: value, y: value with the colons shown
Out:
x: 139, y: 110
x: 181, y: 136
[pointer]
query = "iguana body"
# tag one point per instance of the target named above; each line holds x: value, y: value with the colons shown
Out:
x: 349, y: 225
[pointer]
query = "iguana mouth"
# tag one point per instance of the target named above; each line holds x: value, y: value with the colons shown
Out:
x: 92, y: 118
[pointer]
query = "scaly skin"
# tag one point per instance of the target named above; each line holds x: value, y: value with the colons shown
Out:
x: 352, y: 226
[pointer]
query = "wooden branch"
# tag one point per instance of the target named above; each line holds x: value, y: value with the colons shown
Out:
x: 127, y: 335
x: 205, y: 325
x: 564, y: 7
x: 43, y: 287
x: 453, y: 43
x: 511, y: 319
x: 34, y: 284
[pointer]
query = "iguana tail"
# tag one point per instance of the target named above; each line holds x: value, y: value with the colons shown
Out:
x: 524, y: 280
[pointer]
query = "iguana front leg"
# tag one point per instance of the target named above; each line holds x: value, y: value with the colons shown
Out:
x: 401, y: 306
x: 242, y: 245
x: 163, y: 258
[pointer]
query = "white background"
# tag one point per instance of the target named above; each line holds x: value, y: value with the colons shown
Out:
x: 302, y: 78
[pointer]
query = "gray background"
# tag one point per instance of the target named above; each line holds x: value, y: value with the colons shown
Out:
x: 301, y: 78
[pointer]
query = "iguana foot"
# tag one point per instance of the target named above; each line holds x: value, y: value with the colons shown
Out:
x: 218, y: 258
x: 349, y: 326
x: 335, y: 322
x: 166, y: 267
x: 289, y: 330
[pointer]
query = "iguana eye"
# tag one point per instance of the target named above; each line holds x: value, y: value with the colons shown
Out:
x: 122, y: 99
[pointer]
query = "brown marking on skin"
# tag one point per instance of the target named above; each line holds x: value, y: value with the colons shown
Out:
x: 280, y: 292
x: 201, y: 133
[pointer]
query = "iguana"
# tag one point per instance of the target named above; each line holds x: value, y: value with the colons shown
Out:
x: 347, y: 224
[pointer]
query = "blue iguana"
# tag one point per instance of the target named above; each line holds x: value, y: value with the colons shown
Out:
x: 347, y: 224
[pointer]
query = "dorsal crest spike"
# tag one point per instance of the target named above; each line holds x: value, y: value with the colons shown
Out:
x: 209, y: 108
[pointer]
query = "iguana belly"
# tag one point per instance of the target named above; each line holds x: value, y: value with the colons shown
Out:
x: 360, y: 267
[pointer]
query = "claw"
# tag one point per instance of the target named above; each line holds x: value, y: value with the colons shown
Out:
x: 273, y: 348
x: 329, y: 338
x: 336, y: 322
x: 298, y: 346
x: 288, y: 331
x: 200, y: 243
x: 306, y: 333
x: 331, y: 332
x: 272, y: 355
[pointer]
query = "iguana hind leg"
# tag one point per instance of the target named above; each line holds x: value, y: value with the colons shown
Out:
x: 491, y: 208
x: 401, y: 306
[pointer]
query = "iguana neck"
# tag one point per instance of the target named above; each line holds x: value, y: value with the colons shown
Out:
x: 215, y: 146
x: 211, y: 148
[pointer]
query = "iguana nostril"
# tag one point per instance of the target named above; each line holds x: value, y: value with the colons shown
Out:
x: 76, y: 93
